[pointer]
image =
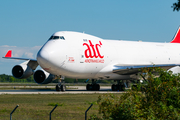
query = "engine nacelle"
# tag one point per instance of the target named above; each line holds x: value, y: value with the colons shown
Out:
x: 43, y: 77
x: 175, y: 69
x: 22, y: 71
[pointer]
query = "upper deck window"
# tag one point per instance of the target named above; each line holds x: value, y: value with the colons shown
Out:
x: 56, y: 37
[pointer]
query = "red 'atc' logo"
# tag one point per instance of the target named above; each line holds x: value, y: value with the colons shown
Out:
x: 92, y: 51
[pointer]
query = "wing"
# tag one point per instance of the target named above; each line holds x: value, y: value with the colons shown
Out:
x: 31, y: 62
x: 9, y: 56
x: 133, y: 69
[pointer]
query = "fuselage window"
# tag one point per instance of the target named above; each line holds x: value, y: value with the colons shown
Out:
x: 56, y: 37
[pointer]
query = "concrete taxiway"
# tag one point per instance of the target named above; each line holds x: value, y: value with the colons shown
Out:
x: 46, y: 90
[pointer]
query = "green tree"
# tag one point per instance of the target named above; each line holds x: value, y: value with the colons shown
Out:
x: 176, y: 6
x: 159, y: 99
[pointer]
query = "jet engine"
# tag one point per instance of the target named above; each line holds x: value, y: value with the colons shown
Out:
x: 43, y: 77
x: 22, y: 71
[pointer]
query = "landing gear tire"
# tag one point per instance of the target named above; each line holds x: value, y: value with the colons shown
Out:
x: 113, y: 87
x: 63, y: 88
x: 87, y: 86
x: 96, y: 87
x: 123, y: 87
x: 58, y: 87
x: 117, y: 87
x: 93, y: 87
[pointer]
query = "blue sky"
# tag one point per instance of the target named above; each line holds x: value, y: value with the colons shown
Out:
x: 25, y: 25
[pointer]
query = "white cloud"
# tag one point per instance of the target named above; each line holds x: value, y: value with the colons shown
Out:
x: 7, y: 46
x: 36, y: 47
x: 28, y: 54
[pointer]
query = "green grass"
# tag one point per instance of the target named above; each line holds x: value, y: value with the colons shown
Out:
x: 38, y: 107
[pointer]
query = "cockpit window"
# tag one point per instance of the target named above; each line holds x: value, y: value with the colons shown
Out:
x: 56, y: 37
x: 62, y: 37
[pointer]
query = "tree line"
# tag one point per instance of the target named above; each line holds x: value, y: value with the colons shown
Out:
x: 10, y: 78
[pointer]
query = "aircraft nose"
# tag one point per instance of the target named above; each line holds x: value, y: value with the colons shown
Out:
x: 43, y: 57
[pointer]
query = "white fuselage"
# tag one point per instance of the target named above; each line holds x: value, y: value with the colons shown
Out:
x: 80, y: 55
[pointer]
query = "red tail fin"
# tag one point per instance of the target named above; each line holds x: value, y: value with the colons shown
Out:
x: 176, y: 37
x: 8, y: 54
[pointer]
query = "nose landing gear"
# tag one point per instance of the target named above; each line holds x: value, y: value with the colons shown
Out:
x: 60, y: 87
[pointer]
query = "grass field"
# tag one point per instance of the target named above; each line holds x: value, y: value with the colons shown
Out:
x: 38, y: 107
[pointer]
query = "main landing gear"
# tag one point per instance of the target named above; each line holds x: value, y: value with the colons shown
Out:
x: 120, y: 86
x: 93, y: 87
x: 60, y: 87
